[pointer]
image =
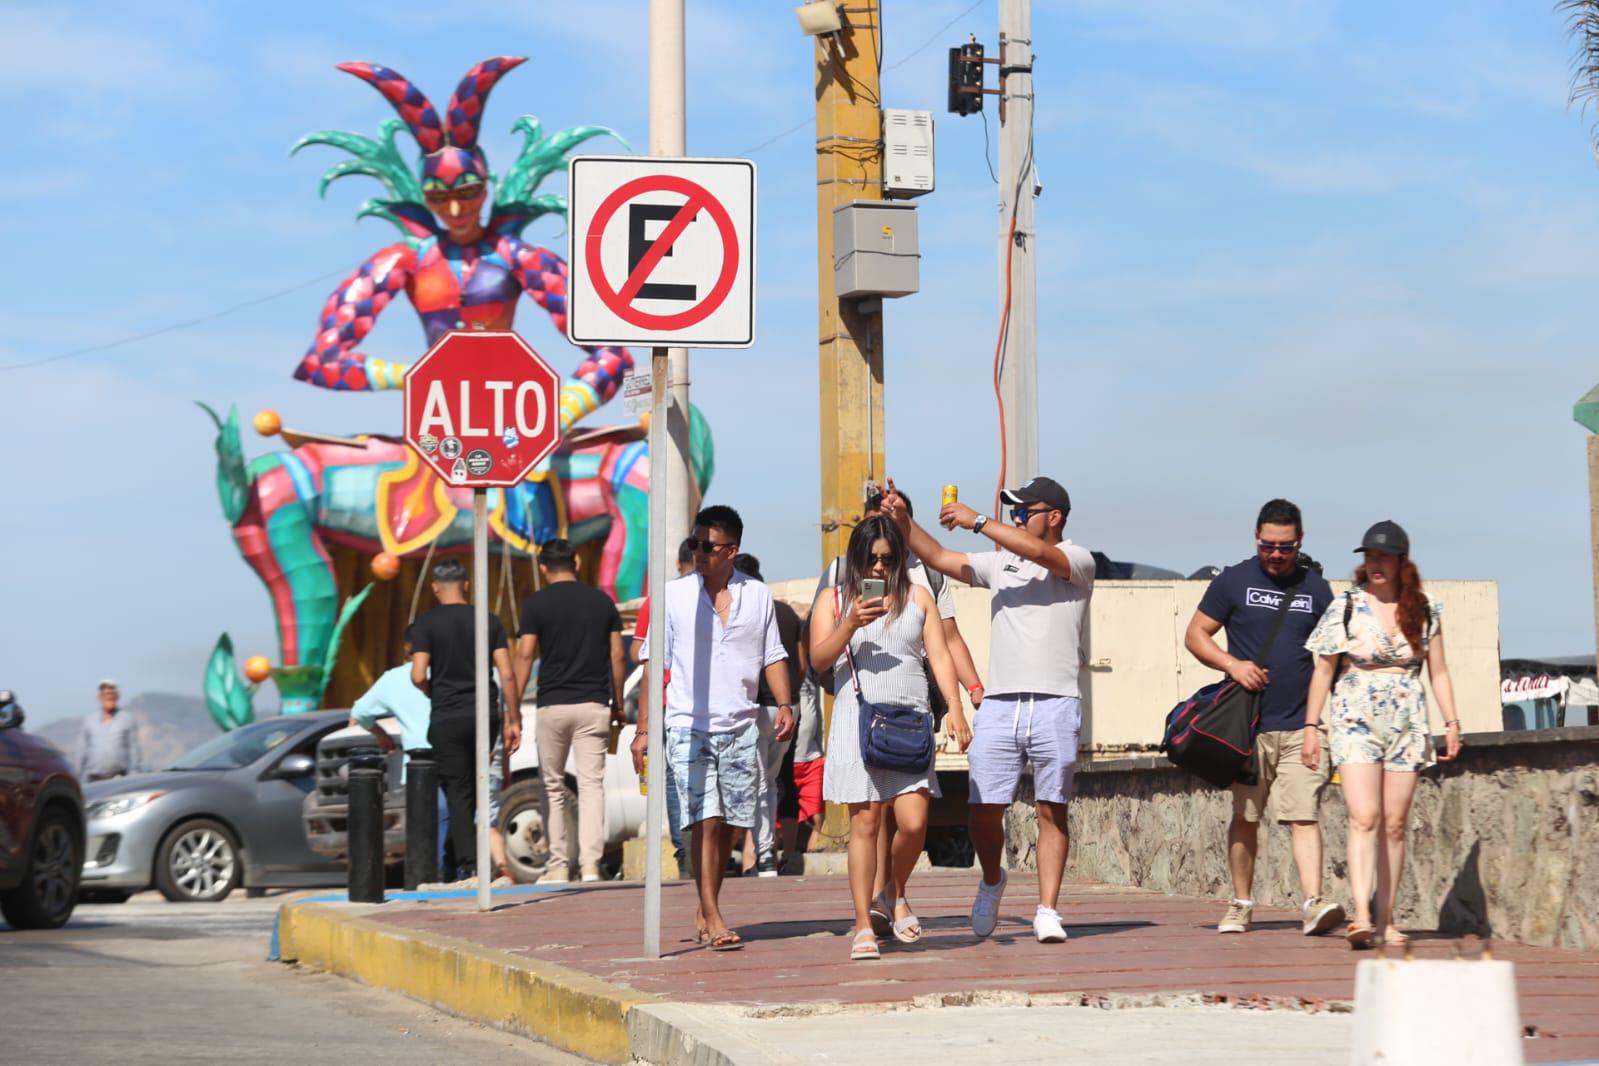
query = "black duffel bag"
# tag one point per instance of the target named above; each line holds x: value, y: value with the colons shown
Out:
x: 1211, y: 734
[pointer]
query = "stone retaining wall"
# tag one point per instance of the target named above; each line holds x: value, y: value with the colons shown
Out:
x: 1503, y: 843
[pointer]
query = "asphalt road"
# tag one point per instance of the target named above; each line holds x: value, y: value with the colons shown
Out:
x: 151, y: 982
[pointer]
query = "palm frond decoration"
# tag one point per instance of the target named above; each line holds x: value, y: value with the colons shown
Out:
x: 378, y: 158
x: 517, y: 200
x: 1583, y: 23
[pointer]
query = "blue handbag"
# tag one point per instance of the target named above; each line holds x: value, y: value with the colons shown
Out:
x: 893, y: 736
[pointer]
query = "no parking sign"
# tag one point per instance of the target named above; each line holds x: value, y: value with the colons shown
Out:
x: 662, y: 252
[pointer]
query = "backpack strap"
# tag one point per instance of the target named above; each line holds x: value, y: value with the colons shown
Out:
x: 854, y: 674
x: 1281, y: 616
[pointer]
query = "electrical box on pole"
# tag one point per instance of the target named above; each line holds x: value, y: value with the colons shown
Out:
x: 966, y: 79
x: 907, y: 153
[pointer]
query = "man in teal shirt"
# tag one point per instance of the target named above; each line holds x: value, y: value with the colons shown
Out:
x: 393, y: 694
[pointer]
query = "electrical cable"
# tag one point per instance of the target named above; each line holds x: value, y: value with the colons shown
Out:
x: 174, y: 327
x: 983, y: 114
x: 925, y: 45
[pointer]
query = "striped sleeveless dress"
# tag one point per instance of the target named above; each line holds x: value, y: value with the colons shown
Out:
x: 889, y: 653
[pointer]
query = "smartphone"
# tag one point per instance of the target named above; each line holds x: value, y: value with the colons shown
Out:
x: 873, y: 588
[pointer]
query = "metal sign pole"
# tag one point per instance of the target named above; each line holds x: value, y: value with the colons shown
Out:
x: 480, y: 642
x: 655, y: 808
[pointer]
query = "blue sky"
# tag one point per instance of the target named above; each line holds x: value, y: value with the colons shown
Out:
x: 1340, y: 252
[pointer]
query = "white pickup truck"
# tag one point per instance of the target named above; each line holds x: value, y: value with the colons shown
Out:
x: 522, y: 806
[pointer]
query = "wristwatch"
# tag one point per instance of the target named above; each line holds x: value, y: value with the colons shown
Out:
x: 979, y: 523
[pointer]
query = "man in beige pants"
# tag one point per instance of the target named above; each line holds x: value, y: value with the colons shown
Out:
x: 576, y: 633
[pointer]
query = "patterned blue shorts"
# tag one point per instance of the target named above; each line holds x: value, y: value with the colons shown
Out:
x: 714, y: 775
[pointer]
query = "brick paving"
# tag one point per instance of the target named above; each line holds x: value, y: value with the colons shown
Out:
x: 1123, y: 941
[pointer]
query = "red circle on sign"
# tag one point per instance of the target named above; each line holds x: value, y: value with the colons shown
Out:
x: 622, y: 306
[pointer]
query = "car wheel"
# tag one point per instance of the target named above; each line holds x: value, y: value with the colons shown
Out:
x: 527, y: 846
x: 198, y: 862
x: 49, y: 888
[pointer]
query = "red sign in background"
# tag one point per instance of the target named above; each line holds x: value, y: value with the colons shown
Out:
x: 620, y: 301
x: 482, y: 408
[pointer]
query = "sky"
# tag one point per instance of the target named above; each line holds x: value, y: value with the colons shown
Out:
x: 1340, y: 252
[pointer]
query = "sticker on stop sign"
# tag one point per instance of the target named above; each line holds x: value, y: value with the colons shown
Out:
x: 481, y: 408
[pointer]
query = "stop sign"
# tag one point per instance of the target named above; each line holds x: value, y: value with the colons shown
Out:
x: 482, y: 408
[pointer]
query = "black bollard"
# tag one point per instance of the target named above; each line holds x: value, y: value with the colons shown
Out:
x: 365, y: 835
x: 421, y: 819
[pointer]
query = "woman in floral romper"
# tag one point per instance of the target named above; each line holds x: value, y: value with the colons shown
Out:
x: 1370, y: 646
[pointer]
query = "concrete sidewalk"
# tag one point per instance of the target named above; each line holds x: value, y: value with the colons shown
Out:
x: 565, y: 966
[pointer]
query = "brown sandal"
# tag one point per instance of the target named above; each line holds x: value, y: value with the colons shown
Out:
x: 1359, y: 937
x: 726, y: 941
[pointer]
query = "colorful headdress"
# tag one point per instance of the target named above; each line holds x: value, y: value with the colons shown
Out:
x: 450, y: 149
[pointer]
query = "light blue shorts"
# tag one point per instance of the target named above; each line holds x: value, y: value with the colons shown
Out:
x: 1013, y: 729
x: 714, y: 775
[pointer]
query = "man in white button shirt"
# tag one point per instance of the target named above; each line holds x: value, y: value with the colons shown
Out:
x: 721, y: 637
x: 1032, y: 712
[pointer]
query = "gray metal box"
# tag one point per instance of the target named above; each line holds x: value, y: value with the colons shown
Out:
x: 875, y: 250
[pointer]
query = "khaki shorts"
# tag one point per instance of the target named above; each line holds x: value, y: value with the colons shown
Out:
x: 1298, y: 787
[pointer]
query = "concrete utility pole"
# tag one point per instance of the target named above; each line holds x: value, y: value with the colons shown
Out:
x: 671, y: 483
x: 668, y: 138
x: 1018, y: 379
x: 849, y: 166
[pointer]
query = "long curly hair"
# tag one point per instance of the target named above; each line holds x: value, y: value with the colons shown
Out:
x: 1411, y: 613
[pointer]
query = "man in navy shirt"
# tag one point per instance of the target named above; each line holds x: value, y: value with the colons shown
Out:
x: 1244, y: 599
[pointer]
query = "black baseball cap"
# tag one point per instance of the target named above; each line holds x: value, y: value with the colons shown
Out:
x: 1387, y: 536
x: 1039, y: 490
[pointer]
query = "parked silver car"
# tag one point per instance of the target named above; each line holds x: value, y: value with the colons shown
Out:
x: 224, y: 815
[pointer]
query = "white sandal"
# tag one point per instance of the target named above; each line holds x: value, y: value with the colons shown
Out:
x: 906, y: 930
x: 882, y: 914
x: 864, y: 947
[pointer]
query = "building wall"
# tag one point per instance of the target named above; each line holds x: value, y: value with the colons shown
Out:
x: 1136, y: 667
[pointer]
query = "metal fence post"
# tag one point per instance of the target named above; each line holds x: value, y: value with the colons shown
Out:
x: 365, y: 833
x: 421, y: 819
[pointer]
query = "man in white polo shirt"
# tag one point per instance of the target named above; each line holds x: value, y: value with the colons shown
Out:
x: 1032, y: 711
x: 721, y: 637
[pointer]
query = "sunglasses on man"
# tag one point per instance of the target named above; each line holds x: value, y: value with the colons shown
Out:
x: 708, y: 547
x: 1269, y: 547
x: 1023, y: 514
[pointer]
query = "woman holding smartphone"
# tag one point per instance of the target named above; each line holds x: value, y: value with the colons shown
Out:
x: 877, y: 622
x: 1371, y: 645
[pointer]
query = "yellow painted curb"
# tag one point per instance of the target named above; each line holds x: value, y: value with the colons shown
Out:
x: 562, y: 1007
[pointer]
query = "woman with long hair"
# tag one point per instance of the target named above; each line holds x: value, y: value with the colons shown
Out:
x: 1371, y: 645
x: 884, y: 638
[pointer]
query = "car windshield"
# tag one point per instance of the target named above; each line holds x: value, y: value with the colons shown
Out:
x: 241, y: 747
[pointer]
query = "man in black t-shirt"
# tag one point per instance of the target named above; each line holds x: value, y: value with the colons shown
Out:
x: 575, y: 632
x: 1244, y: 599
x: 444, y: 661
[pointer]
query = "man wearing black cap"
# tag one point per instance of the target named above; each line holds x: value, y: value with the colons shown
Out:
x: 1032, y: 711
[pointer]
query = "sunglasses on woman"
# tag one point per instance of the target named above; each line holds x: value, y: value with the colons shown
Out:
x: 887, y: 558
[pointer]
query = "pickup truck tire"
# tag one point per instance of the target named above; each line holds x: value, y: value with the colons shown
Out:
x: 527, y: 842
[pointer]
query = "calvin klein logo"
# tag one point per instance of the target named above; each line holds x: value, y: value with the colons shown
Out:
x: 1271, y: 598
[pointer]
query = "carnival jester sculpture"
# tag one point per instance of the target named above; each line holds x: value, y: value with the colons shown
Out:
x: 457, y: 270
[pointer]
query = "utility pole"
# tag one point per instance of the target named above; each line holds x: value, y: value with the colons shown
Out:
x: 849, y: 166
x: 1018, y: 283
x: 668, y: 138
x: 671, y: 484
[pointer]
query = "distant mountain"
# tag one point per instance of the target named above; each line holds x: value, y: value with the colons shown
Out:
x: 169, y: 725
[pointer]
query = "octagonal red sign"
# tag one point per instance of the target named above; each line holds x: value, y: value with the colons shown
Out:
x: 482, y: 408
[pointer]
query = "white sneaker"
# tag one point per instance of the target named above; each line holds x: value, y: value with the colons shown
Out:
x: 1047, y: 927
x: 555, y: 875
x: 985, y: 908
x: 1236, y: 920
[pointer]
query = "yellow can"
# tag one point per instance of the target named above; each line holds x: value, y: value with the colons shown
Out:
x: 644, y: 778
x: 951, y: 494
